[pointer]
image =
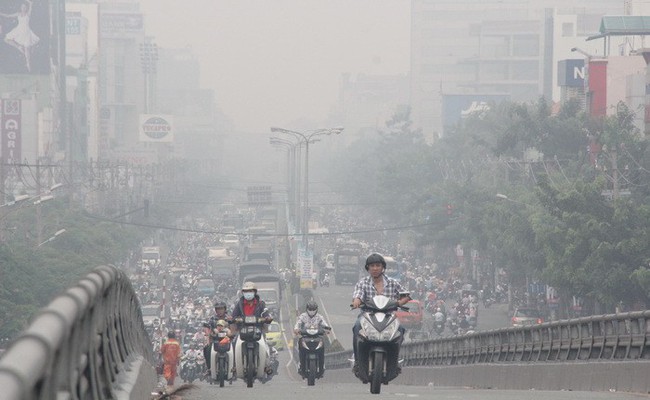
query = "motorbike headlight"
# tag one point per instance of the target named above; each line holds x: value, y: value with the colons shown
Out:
x: 370, y: 332
x: 390, y: 332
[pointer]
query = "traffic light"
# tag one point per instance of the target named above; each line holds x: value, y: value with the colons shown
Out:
x: 450, y: 209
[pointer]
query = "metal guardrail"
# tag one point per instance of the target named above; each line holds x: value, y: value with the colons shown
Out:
x: 88, y: 343
x: 614, y: 337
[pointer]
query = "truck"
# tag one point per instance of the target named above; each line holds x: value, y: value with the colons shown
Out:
x: 251, y: 268
x: 150, y: 256
x: 347, y: 266
x: 221, y: 264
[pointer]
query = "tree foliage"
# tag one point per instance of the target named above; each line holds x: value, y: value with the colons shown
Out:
x: 556, y: 225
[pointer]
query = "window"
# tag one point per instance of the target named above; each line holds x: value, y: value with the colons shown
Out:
x: 525, y: 45
x: 525, y: 71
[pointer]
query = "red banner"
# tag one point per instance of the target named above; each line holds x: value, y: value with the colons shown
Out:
x: 10, y: 129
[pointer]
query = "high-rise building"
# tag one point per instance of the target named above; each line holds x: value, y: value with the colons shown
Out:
x: 497, y: 48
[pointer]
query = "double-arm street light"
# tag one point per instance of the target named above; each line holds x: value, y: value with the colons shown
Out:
x: 307, y: 138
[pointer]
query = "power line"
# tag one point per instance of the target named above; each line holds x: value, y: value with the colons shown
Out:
x: 171, y: 228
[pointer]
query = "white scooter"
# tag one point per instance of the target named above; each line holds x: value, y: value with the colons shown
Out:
x: 222, y: 359
x: 251, y: 350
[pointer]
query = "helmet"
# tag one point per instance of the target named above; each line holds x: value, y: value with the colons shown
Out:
x: 312, y: 306
x: 220, y: 304
x: 222, y: 323
x: 375, y: 258
x: 249, y: 286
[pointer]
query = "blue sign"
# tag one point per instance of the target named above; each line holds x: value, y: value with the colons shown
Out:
x: 571, y: 73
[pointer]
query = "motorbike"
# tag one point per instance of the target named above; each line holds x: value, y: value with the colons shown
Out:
x: 251, y: 351
x: 221, y: 359
x: 311, y: 341
x: 325, y: 282
x: 453, y: 326
x: 274, y: 363
x: 439, y: 327
x: 190, y: 370
x: 378, y: 343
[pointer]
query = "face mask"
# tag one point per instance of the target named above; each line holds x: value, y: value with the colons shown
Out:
x: 311, y: 313
x: 249, y: 295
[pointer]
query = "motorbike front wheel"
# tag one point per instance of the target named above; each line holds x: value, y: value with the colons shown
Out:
x: 251, y: 368
x: 311, y: 372
x: 376, y: 372
x: 222, y: 371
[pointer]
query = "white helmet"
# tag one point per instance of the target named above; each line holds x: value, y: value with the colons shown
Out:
x: 249, y: 286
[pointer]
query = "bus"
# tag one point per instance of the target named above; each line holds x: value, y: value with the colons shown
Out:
x: 394, y: 269
x: 347, y: 266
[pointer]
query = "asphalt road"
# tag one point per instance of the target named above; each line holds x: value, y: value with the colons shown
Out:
x: 334, y: 303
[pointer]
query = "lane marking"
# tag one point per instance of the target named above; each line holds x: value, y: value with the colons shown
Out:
x: 328, y: 319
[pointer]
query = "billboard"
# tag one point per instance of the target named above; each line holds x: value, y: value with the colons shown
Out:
x: 597, y: 82
x: 571, y: 73
x: 156, y: 128
x: 24, y: 37
x: 456, y: 107
x: 120, y: 24
x: 11, y: 130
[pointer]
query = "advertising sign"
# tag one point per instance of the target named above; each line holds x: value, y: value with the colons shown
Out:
x: 571, y: 73
x: 24, y: 37
x: 121, y: 23
x: 72, y: 24
x: 306, y: 265
x: 156, y: 128
x: 456, y: 107
x: 10, y: 129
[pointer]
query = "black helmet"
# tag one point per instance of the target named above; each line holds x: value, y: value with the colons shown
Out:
x: 312, y: 306
x: 375, y: 258
x: 220, y: 304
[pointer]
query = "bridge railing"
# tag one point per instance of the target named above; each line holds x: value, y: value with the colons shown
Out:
x: 88, y: 343
x: 614, y: 337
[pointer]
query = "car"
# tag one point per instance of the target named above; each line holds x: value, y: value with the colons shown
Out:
x: 411, y: 319
x: 526, y: 316
x: 150, y: 313
x: 274, y: 336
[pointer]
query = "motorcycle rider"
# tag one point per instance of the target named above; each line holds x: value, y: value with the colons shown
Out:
x: 439, y: 319
x: 374, y: 284
x: 311, y: 317
x: 192, y: 353
x: 250, y: 304
x: 326, y: 280
x: 220, y: 314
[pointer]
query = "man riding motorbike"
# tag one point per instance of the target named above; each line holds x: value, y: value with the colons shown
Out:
x: 191, y: 354
x: 250, y: 304
x: 375, y: 283
x: 311, y: 317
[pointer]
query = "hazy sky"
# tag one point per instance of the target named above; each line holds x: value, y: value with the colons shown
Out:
x: 272, y: 62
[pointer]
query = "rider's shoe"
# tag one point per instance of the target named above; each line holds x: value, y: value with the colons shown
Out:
x: 268, y: 370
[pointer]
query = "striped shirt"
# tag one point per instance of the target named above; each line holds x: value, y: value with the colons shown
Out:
x: 365, y: 290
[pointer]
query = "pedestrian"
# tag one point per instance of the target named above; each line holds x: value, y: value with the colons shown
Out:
x: 171, y: 355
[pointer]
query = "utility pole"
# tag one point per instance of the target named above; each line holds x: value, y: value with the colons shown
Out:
x: 39, y: 218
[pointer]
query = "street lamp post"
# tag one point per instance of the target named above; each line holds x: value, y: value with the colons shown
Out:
x: 292, y: 189
x: 307, y: 137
